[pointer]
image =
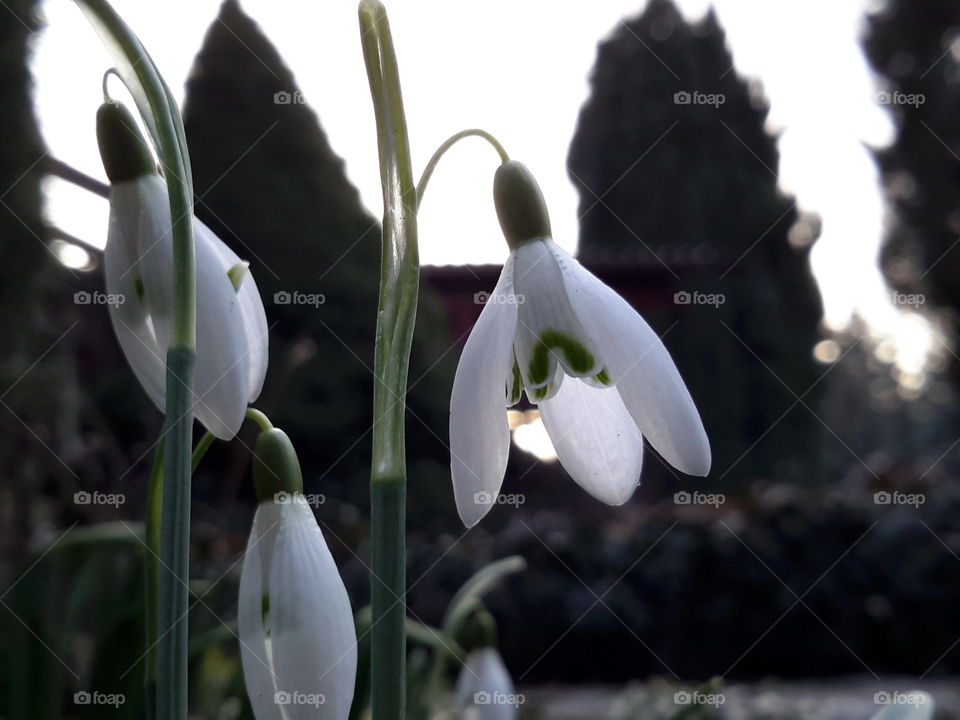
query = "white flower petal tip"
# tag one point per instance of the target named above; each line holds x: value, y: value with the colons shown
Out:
x: 596, y: 439
x: 640, y: 368
x: 297, y: 638
x: 914, y: 705
x: 479, y: 436
x: 232, y: 346
x: 484, y: 689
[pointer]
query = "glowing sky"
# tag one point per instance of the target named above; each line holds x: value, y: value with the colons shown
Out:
x: 520, y: 71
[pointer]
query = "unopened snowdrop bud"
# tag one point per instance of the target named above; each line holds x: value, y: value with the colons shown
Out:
x: 275, y: 466
x: 520, y: 205
x: 124, y: 152
x: 298, y: 644
x: 231, y: 351
x: 484, y: 688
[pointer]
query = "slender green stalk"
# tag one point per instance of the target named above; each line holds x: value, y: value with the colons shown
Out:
x: 162, y: 118
x: 449, y: 143
x: 152, y: 560
x: 201, y: 449
x: 174, y: 588
x: 152, y: 570
x: 399, y: 281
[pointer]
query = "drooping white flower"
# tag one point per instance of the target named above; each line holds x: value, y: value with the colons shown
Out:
x: 484, y: 689
x: 297, y: 638
x: 600, y: 375
x: 231, y: 325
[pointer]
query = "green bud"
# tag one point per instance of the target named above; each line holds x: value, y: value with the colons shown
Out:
x: 124, y: 152
x: 479, y: 631
x: 520, y: 206
x: 275, y: 466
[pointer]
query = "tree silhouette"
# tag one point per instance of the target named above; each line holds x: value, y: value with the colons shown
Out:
x: 913, y: 46
x: 270, y: 185
x: 676, y: 172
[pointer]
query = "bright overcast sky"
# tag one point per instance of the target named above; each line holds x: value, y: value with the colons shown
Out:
x: 520, y: 71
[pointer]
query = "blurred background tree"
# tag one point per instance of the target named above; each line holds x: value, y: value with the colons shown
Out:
x: 269, y: 184
x: 692, y: 188
x: 914, y: 46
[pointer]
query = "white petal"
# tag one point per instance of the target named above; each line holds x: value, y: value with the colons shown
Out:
x: 484, y: 689
x: 479, y: 436
x: 231, y: 348
x: 640, y: 367
x: 130, y: 318
x: 596, y: 440
x: 252, y: 315
x: 314, y: 642
x: 221, y: 383
x: 548, y: 330
x: 254, y: 648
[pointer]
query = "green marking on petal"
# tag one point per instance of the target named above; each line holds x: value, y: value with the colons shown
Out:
x: 603, y: 377
x: 577, y: 357
x: 265, y: 610
x: 540, y: 393
x: 237, y: 273
x: 514, y: 396
x: 138, y: 286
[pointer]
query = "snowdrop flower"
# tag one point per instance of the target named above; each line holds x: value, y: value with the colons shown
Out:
x: 484, y: 689
x: 602, y: 378
x: 231, y: 353
x: 298, y: 644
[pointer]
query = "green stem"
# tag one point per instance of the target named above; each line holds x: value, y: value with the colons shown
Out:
x: 201, y: 449
x: 162, y: 118
x: 152, y: 533
x: 449, y: 143
x: 399, y: 286
x: 172, y: 629
x: 262, y: 421
x: 152, y: 569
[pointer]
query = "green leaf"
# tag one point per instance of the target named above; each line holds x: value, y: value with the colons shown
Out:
x: 468, y: 596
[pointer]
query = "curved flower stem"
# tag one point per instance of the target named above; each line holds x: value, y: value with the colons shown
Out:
x: 260, y: 418
x: 449, y: 143
x: 162, y: 118
x: 399, y: 286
